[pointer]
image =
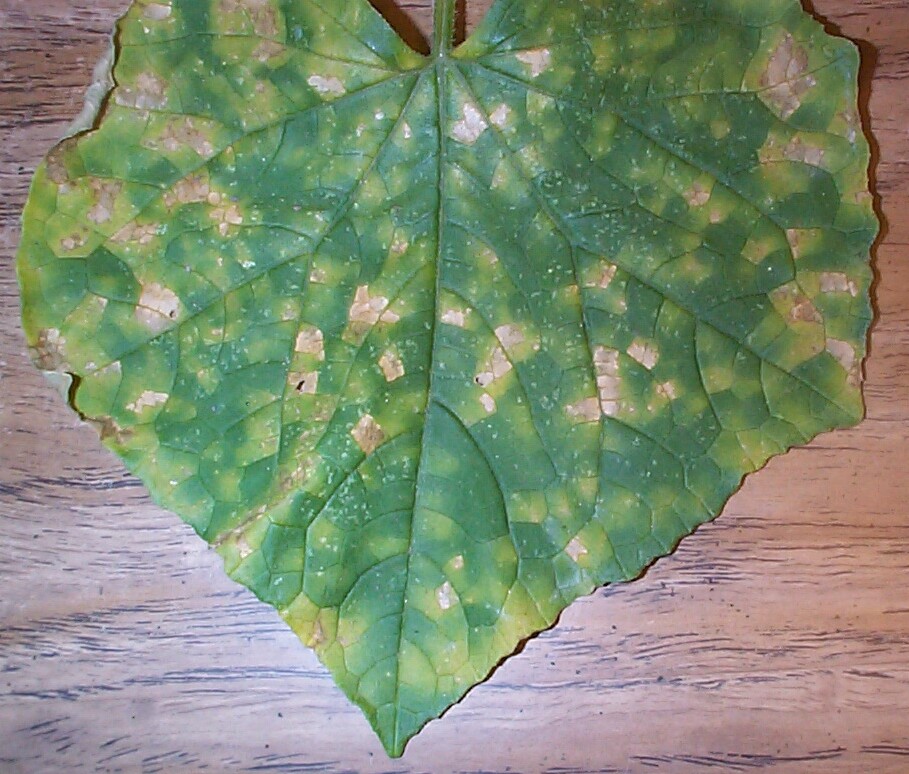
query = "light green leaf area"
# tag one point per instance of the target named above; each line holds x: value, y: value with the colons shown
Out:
x: 428, y: 347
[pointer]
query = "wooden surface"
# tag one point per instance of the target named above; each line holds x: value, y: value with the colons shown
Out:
x: 776, y: 638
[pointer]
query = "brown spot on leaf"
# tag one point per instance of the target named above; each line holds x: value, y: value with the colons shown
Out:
x: 471, y: 125
x: 785, y: 80
x: 48, y: 350
x: 148, y: 93
x: 310, y: 341
x: 538, y: 59
x: 104, y: 195
x: 391, y: 365
x: 609, y: 383
x: 158, y: 307
x: 368, y: 434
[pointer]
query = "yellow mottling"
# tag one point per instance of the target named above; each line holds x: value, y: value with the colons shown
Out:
x: 468, y: 130
x: 158, y: 306
x: 644, y: 352
x: 148, y: 399
x: 368, y: 434
x: 538, y: 59
x: 326, y: 85
x: 392, y: 366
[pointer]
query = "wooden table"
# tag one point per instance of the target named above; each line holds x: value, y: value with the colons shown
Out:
x: 777, y: 637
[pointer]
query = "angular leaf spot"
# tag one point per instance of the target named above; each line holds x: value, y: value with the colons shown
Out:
x: 844, y: 352
x: 157, y: 11
x: 136, y: 234
x: 497, y: 365
x: 327, y: 85
x: 586, y: 410
x: 538, y: 60
x: 148, y: 399
x: 609, y: 383
x: 304, y: 383
x: 645, y: 353
x: 500, y: 116
x: 368, y: 310
x: 158, y: 307
x: 368, y: 434
x: 445, y: 596
x: 488, y: 403
x: 392, y: 366
x: 192, y: 189
x: 668, y: 390
x: 510, y: 335
x: 785, y: 79
x: 48, y: 351
x: 575, y: 549
x: 837, y: 282
x: 310, y: 341
x: 456, y: 317
x: 468, y: 130
x: 105, y: 193
x: 148, y: 93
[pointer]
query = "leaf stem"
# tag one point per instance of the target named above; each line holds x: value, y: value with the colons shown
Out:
x: 443, y: 27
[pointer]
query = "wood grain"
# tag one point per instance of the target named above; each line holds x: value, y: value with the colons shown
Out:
x: 775, y: 638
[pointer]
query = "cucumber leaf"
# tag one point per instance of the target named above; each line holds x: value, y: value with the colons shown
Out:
x: 429, y: 346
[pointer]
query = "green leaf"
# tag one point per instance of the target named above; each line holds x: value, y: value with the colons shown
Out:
x: 428, y: 347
